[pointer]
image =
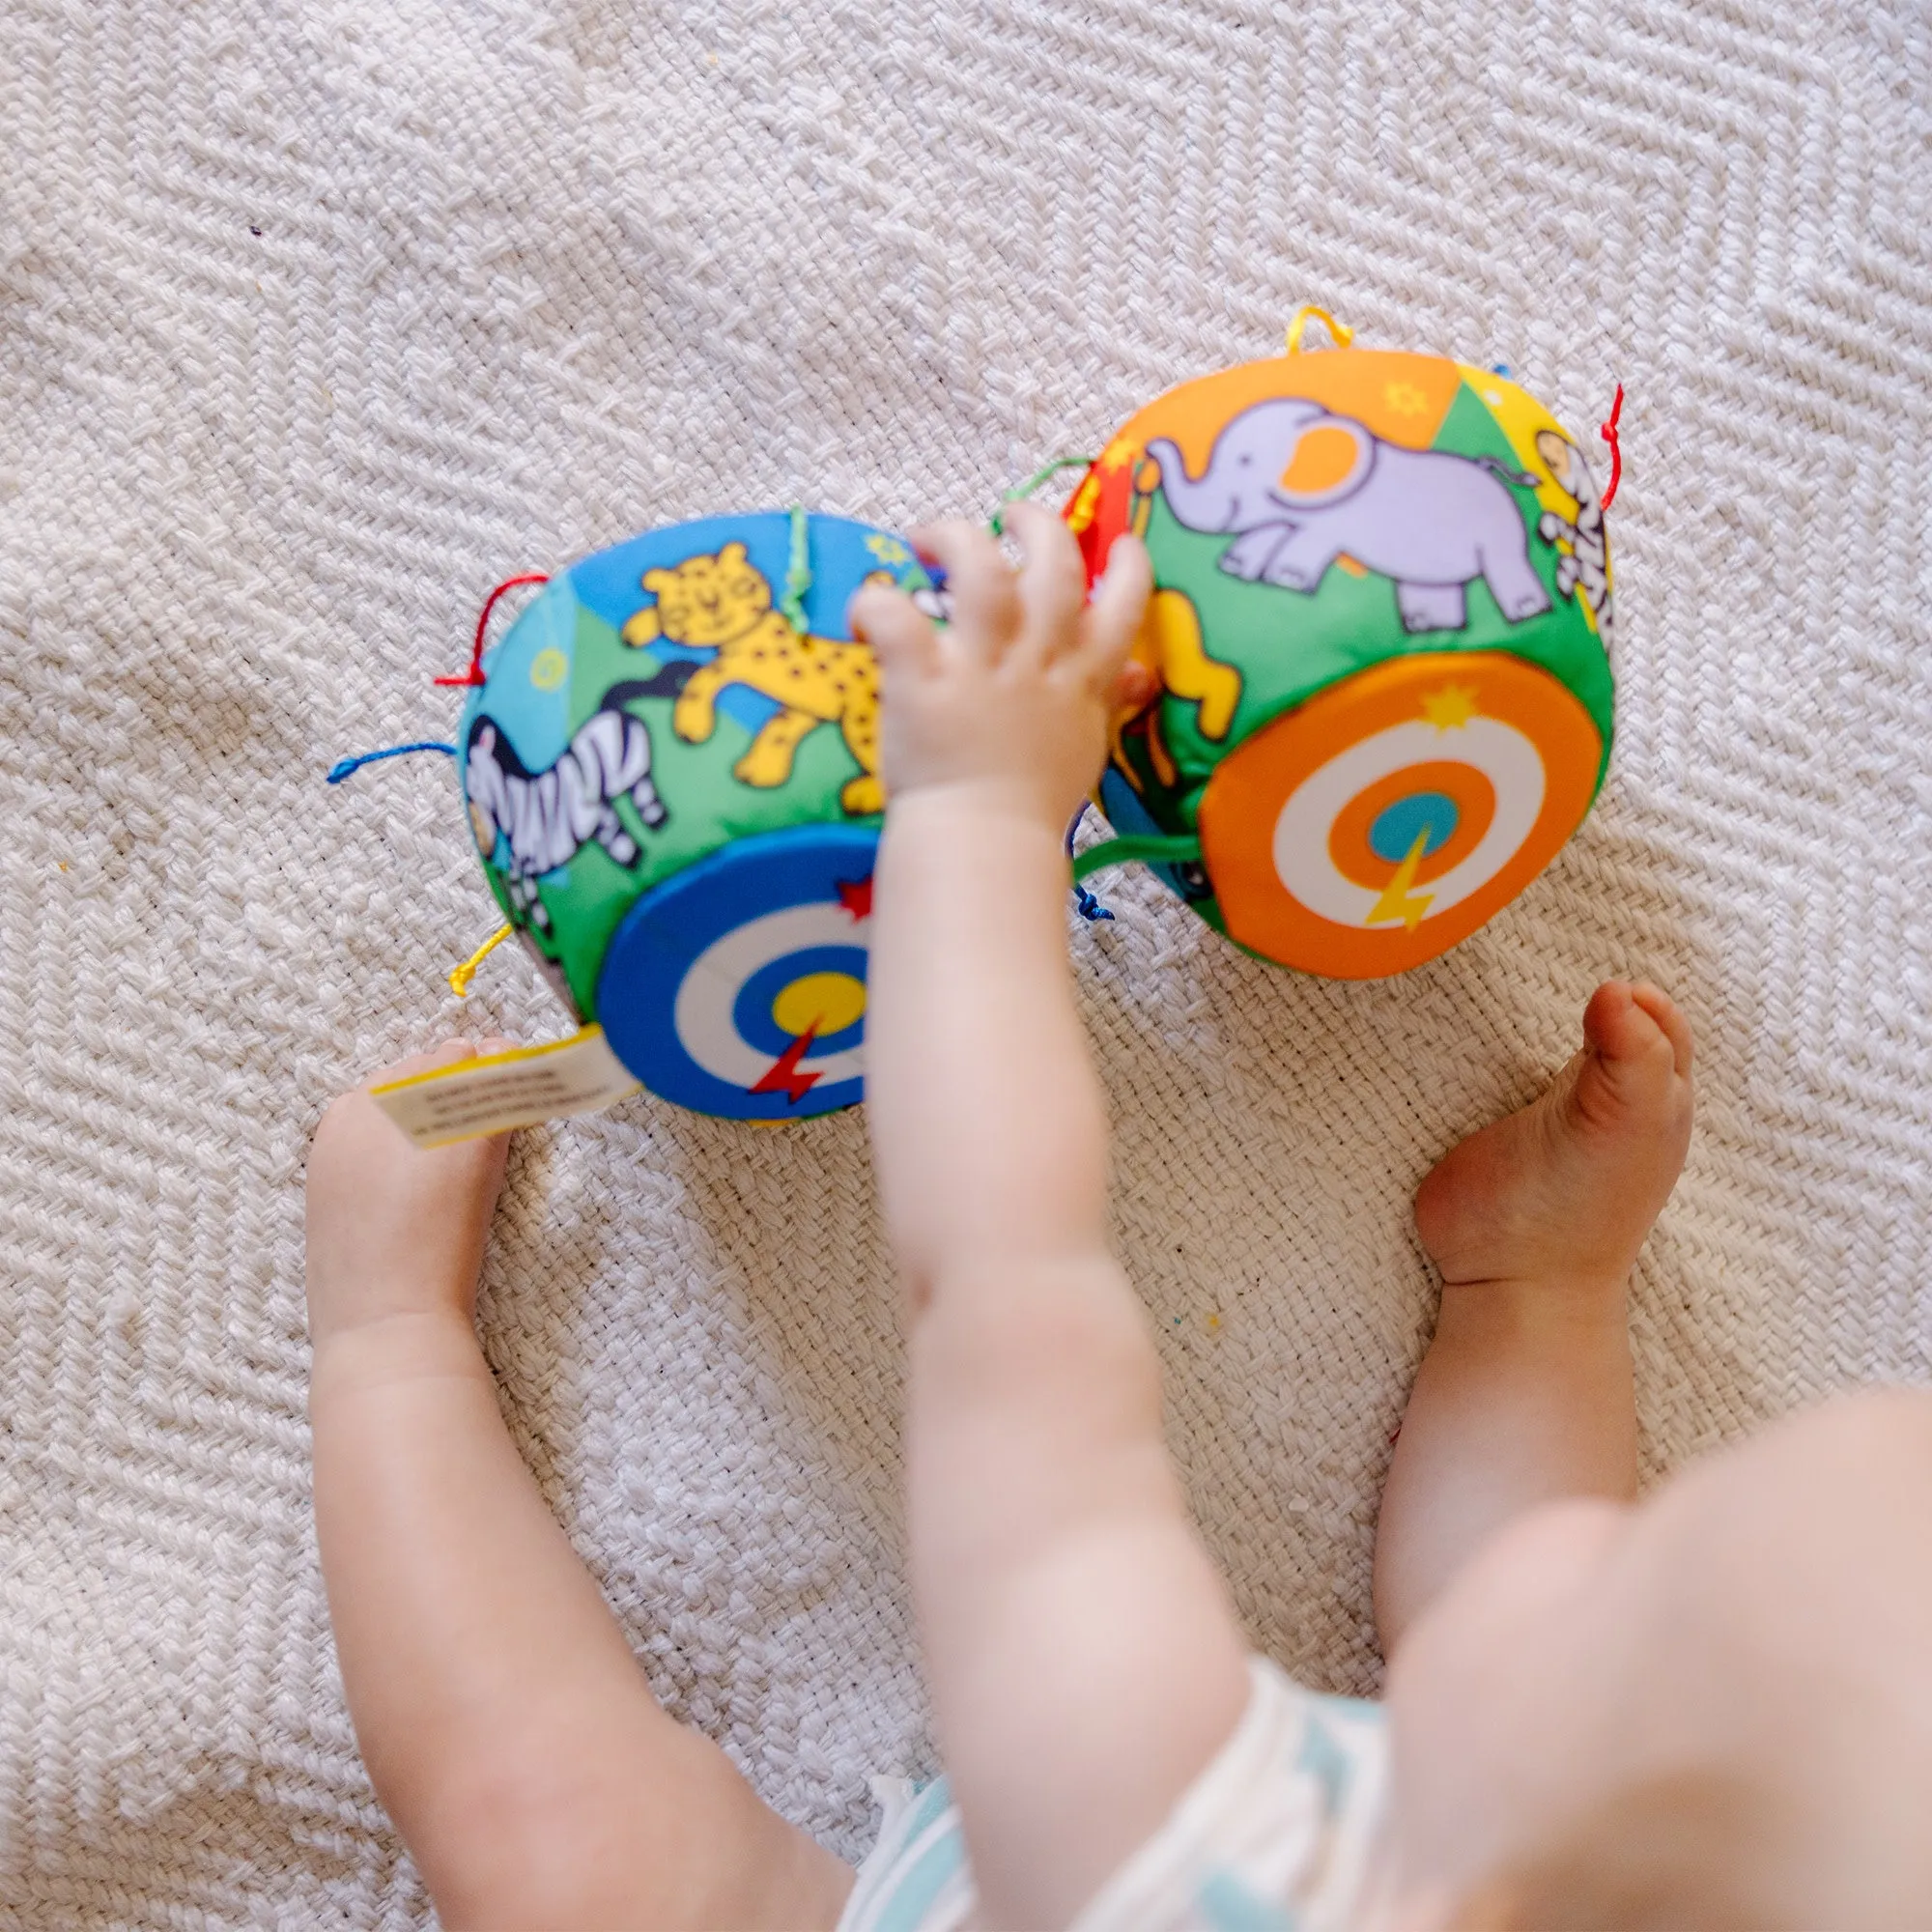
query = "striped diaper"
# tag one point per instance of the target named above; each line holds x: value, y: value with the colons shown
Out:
x: 1278, y: 1835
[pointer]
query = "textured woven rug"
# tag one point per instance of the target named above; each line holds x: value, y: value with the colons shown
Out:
x: 315, y: 321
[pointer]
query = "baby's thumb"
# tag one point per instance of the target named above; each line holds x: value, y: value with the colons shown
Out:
x: 1114, y: 618
x: 1136, y: 686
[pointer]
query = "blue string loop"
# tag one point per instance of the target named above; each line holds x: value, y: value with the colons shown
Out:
x: 343, y: 767
x: 1085, y: 902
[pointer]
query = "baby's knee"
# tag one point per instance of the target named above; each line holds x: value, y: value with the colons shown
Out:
x: 1886, y: 1423
x: 1869, y: 1445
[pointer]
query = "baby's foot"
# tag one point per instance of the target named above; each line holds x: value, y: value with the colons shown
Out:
x: 1567, y: 1188
x: 393, y: 1230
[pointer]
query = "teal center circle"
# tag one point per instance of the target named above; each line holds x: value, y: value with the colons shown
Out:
x: 1398, y: 826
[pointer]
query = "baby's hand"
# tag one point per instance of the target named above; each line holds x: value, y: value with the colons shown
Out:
x: 1008, y: 705
x: 393, y: 1230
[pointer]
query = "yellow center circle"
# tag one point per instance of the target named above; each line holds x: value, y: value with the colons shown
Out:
x: 821, y: 1003
x: 548, y: 669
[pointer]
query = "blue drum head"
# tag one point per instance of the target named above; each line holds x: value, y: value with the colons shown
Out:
x: 738, y: 987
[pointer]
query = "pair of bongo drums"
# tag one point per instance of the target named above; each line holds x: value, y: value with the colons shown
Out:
x: 1381, y: 621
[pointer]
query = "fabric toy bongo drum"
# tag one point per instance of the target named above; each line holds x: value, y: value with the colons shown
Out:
x: 670, y: 765
x: 1382, y: 620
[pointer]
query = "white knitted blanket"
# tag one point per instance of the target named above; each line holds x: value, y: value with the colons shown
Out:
x: 315, y: 321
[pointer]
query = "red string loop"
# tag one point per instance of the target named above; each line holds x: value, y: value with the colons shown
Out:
x: 1608, y: 432
x: 474, y: 674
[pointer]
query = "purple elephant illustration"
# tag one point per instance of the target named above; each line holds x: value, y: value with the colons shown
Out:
x: 1301, y: 486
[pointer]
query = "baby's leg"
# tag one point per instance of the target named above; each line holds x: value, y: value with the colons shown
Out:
x: 1524, y: 1395
x: 504, y: 1722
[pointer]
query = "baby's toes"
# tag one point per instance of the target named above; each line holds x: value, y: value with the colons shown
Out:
x: 1664, y: 1009
x: 1630, y: 1076
x: 1618, y: 1030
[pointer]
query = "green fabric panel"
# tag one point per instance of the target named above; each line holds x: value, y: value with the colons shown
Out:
x: 706, y: 806
x: 1289, y: 645
x: 1560, y: 642
x: 1169, y: 804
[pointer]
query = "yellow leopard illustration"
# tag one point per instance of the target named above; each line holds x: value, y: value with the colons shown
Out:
x: 722, y: 602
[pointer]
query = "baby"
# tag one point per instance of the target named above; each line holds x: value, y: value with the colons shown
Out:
x: 1712, y: 1709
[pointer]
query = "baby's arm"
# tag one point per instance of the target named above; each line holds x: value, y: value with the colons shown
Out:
x: 505, y: 1724
x: 1084, y: 1662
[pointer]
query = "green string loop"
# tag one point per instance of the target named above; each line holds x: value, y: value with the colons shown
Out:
x: 1020, y: 492
x: 1148, y: 849
x: 798, y: 570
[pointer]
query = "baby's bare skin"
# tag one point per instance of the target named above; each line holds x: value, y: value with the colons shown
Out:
x: 1534, y: 1225
x: 506, y: 1726
x: 1554, y: 1646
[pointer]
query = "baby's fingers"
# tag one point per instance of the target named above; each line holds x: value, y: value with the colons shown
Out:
x: 984, y: 591
x: 1112, y: 619
x: 1053, y: 584
x: 899, y: 633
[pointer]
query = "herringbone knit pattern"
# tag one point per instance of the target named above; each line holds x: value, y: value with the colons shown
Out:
x: 317, y: 320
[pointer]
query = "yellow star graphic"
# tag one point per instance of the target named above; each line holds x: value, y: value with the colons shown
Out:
x: 1080, y: 516
x: 1119, y: 453
x: 1452, y: 707
x: 1405, y: 398
x: 888, y: 550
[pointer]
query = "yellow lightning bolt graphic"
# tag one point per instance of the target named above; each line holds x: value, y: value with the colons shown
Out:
x: 1396, y: 901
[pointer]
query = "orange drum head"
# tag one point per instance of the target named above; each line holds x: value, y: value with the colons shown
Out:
x: 1384, y: 820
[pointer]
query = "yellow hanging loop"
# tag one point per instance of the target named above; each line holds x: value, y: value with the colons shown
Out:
x: 460, y: 976
x: 1340, y: 334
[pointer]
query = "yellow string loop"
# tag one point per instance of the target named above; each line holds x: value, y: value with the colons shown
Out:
x: 1339, y: 332
x: 460, y: 976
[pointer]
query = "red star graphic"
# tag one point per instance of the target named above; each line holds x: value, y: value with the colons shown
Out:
x: 856, y: 896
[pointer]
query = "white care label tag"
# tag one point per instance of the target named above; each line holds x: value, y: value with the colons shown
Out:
x: 491, y: 1096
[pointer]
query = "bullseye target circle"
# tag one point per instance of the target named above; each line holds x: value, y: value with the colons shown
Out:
x: 738, y: 987
x: 1384, y: 820
x: 1447, y: 804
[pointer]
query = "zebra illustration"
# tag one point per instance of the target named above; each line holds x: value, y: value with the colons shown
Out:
x: 546, y: 817
x: 1585, y: 569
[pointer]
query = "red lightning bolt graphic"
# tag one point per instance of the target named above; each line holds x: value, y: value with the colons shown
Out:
x: 784, y: 1077
x: 855, y: 896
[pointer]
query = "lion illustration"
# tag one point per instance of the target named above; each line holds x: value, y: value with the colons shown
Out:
x: 723, y: 604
